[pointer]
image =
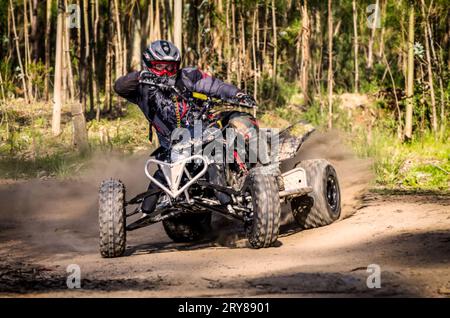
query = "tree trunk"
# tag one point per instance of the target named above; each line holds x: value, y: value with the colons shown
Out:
x: 67, y: 59
x: 56, y: 118
x: 275, y: 44
x: 318, y: 57
x: 383, y: 5
x: 255, y: 65
x: 430, y: 72
x: 80, y: 138
x: 19, y: 58
x: 410, y: 78
x: 136, y: 49
x: 266, y: 22
x: 243, y: 56
x: 34, y: 34
x: 95, y: 84
x: 87, y: 55
x: 399, y: 113
x: 235, y: 61
x: 149, y: 21
x: 440, y: 72
x: 2, y: 90
x: 306, y: 60
x: 118, y: 42
x: 48, y: 28
x: 77, y: 108
x: 11, y: 44
x: 228, y: 47
x: 356, y: 49
x: 108, y: 66
x: 156, y: 24
x: 178, y: 24
x: 27, y: 50
x: 330, y: 65
x: 218, y: 34
x: 371, y: 39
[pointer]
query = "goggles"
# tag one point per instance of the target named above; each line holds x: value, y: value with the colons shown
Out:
x: 161, y: 68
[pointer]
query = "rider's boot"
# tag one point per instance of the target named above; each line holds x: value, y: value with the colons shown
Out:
x: 149, y: 203
x: 216, y: 175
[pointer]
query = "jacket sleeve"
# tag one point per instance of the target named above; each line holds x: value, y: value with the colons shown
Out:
x: 201, y: 82
x: 127, y: 86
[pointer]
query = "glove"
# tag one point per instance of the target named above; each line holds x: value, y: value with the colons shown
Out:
x: 146, y: 75
x: 245, y: 99
x: 155, y: 79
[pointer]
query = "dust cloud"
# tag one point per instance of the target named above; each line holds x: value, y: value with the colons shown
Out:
x: 59, y: 216
x: 354, y: 174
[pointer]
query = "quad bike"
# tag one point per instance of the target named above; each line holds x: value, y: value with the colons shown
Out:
x: 188, y: 194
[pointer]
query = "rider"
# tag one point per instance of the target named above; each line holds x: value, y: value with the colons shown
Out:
x: 161, y: 61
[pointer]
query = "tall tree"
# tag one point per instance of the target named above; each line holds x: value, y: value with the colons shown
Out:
x: 87, y: 62
x: 108, y: 62
x: 306, y: 59
x: 383, y: 5
x: 136, y: 49
x: 178, y: 24
x: 67, y: 60
x: 27, y: 52
x: 275, y: 42
x: 95, y: 16
x: 410, y: 75
x: 434, y: 125
x: 372, y: 36
x: 119, y: 53
x: 34, y: 30
x: 48, y: 26
x: 77, y: 108
x: 330, y: 65
x: 19, y: 58
x: 57, y: 98
x: 254, y: 48
x: 355, y: 45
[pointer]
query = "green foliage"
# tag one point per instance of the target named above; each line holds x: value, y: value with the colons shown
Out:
x: 422, y: 164
x: 60, y: 165
x: 38, y: 72
x: 28, y: 150
x: 275, y: 93
x: 8, y: 76
x: 315, y: 115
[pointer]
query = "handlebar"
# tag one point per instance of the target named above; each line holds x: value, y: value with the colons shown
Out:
x: 168, y: 84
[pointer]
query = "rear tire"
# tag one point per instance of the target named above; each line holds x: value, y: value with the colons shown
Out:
x: 111, y: 217
x: 264, y: 227
x: 322, y: 206
x: 188, y: 227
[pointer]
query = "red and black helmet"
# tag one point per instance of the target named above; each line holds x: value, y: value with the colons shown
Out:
x: 161, y: 58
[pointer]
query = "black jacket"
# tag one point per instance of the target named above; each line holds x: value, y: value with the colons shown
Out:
x: 159, y: 106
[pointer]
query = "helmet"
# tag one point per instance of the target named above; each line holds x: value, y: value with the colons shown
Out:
x: 161, y: 58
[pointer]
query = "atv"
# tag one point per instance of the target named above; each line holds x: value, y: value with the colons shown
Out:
x: 189, y: 193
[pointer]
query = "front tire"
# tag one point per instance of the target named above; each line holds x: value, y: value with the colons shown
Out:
x: 322, y: 206
x: 111, y: 217
x: 265, y: 222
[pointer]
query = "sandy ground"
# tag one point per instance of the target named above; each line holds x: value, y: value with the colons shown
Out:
x: 46, y: 225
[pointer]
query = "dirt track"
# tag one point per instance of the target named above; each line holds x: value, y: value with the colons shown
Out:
x: 45, y: 225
